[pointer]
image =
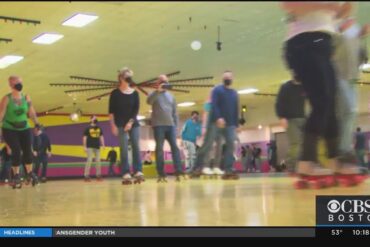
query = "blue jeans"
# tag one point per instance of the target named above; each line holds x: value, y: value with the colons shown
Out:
x: 168, y: 133
x: 5, y: 170
x: 123, y: 136
x: 212, y: 133
x: 43, y: 160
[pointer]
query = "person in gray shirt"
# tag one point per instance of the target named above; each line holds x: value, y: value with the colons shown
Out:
x: 164, y: 122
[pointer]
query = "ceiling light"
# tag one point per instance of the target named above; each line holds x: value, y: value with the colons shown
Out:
x: 248, y: 91
x: 186, y: 104
x: 79, y: 20
x: 9, y: 60
x: 259, y: 127
x: 47, y: 38
x: 196, y: 45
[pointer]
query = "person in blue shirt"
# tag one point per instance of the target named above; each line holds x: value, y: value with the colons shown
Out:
x: 191, y: 130
x: 223, y: 120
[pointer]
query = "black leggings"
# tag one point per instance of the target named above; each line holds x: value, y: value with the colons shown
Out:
x: 309, y: 57
x: 19, y: 141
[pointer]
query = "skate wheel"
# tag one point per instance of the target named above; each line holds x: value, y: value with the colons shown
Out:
x: 301, y: 185
x: 346, y: 182
x: 330, y: 182
x: 318, y: 184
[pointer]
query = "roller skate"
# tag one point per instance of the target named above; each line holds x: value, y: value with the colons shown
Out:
x: 32, y: 178
x: 311, y: 175
x: 217, y: 172
x: 138, y: 178
x: 17, y: 183
x: 162, y: 179
x: 207, y: 173
x: 347, y: 174
x: 87, y: 179
x: 230, y: 176
x: 99, y: 179
x: 195, y: 174
x: 43, y: 180
x: 126, y: 179
x: 180, y: 175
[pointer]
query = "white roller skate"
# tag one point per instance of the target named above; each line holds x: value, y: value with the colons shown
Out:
x: 126, y: 179
x: 207, y: 172
x: 138, y: 178
x: 217, y: 172
x: 312, y: 175
x: 347, y: 174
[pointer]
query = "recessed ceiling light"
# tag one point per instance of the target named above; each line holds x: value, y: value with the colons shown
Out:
x: 248, y: 91
x: 186, y: 104
x: 79, y: 20
x: 9, y: 60
x: 139, y: 117
x: 47, y: 38
x: 196, y: 45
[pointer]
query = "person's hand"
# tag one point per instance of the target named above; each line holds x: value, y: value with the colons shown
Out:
x: 365, y: 30
x: 284, y: 123
x: 35, y: 153
x: 220, y: 123
x: 128, y: 127
x: 114, y: 130
x: 85, y: 149
x: 49, y: 154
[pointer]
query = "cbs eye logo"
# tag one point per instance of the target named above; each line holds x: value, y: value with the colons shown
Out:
x: 333, y: 206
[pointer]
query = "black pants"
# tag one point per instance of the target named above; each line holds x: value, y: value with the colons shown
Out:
x: 41, y: 159
x: 20, y: 144
x: 309, y: 57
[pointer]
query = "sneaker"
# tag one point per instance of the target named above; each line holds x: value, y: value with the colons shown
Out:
x: 87, y: 179
x: 126, y: 176
x: 218, y: 171
x: 139, y: 174
x: 311, y: 168
x: 207, y: 171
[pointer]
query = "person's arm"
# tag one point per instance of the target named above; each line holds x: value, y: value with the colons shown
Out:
x: 152, y: 97
x: 48, y: 143
x: 102, y: 143
x: 280, y: 106
x: 84, y: 142
x: 174, y: 111
x: 215, y: 104
x: 3, y: 105
x: 111, y: 110
x: 31, y: 111
x: 238, y: 110
x: 134, y: 111
x: 301, y: 8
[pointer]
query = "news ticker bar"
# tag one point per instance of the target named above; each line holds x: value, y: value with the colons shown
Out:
x: 80, y: 232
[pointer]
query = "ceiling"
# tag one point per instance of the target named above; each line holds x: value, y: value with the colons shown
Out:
x: 152, y: 38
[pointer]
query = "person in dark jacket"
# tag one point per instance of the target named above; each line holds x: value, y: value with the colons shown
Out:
x: 112, y: 158
x: 289, y: 108
x: 41, y: 151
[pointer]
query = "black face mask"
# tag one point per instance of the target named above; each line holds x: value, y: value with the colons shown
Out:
x: 166, y: 85
x: 227, y: 82
x: 129, y: 79
x: 18, y: 86
x: 94, y: 121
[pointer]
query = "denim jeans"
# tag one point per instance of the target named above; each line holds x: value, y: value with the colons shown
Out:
x: 162, y: 133
x: 346, y: 105
x: 41, y: 159
x: 134, y: 135
x: 190, y: 152
x: 211, y: 135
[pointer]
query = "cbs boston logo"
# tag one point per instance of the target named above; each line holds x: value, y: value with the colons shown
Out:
x: 342, y: 210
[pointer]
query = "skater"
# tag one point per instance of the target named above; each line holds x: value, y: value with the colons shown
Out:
x: 112, y: 158
x: 224, y: 120
x: 349, y: 55
x: 14, y: 111
x: 257, y: 158
x: 272, y: 155
x: 93, y: 140
x: 41, y: 151
x: 124, y: 103
x: 191, y: 130
x: 6, y: 164
x: 148, y: 158
x: 360, y: 147
x: 289, y: 107
x: 164, y: 123
x: 308, y: 53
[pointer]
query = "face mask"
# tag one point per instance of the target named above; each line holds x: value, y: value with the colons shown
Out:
x: 228, y: 82
x: 166, y: 85
x: 129, y: 79
x: 352, y: 32
x: 18, y: 86
x: 95, y: 121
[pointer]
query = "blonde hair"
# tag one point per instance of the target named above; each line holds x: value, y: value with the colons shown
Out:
x: 122, y: 72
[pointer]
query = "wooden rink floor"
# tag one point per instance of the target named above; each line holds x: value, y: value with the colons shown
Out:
x: 253, y: 200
